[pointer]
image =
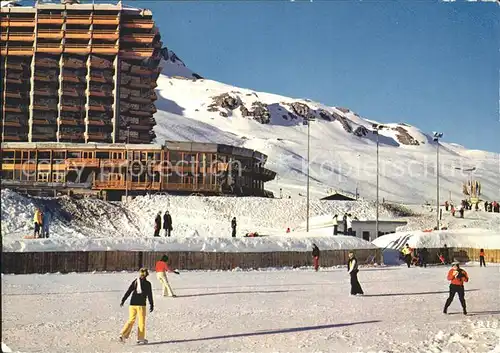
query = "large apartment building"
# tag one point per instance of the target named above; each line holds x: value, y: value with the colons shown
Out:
x: 75, y: 72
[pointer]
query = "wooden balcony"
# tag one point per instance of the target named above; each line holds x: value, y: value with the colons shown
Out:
x: 12, y: 123
x: 18, y: 37
x: 82, y: 49
x: 50, y: 19
x: 69, y: 107
x: 79, y: 19
x: 44, y: 122
x: 120, y: 185
x: 49, y: 48
x: 13, y: 137
x: 137, y: 53
x: 98, y: 136
x: 45, y: 107
x: 70, y: 122
x: 12, y: 109
x: 145, y: 38
x: 45, y: 92
x: 139, y: 23
x: 16, y: 51
x: 104, y: 49
x: 50, y: 34
x: 95, y: 93
x: 114, y: 162
x: 13, y: 95
x: 46, y: 62
x: 18, y: 66
x: 98, y: 108
x: 105, y: 20
x: 77, y: 34
x: 98, y: 122
x: 73, y: 92
x: 82, y: 162
x: 18, y: 22
x: 106, y: 35
x: 74, y: 136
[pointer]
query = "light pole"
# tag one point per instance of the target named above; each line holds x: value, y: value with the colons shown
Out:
x: 308, y: 166
x: 437, y: 136
x: 126, y: 171
x: 377, y: 128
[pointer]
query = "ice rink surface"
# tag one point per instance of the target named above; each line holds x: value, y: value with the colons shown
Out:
x: 257, y: 311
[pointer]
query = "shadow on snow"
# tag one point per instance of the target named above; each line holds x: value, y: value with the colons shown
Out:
x: 268, y: 332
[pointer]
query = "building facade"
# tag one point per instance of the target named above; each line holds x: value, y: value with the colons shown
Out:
x: 114, y: 170
x: 78, y: 73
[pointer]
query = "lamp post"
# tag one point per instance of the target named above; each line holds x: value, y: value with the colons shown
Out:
x: 437, y: 136
x: 126, y: 171
x: 377, y: 128
x: 308, y: 166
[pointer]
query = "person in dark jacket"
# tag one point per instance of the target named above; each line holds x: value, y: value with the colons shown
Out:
x: 423, y: 255
x: 167, y: 223
x: 344, y: 219
x: 352, y: 268
x: 140, y: 289
x: 233, y: 227
x: 315, y: 254
x: 157, y: 224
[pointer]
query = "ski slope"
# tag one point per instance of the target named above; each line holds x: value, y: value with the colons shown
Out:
x: 258, y: 311
x: 192, y: 109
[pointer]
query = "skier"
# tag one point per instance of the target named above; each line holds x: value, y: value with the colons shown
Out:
x: 161, y: 273
x: 167, y: 223
x: 157, y: 224
x: 140, y: 289
x: 407, y: 254
x: 481, y: 258
x: 315, y: 254
x: 352, y: 268
x: 457, y: 277
x: 37, y: 219
x: 349, y: 224
x: 335, y: 224
x: 233, y: 227
x: 344, y: 219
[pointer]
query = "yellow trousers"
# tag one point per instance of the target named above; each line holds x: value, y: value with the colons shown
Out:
x: 134, y: 311
x: 167, y: 290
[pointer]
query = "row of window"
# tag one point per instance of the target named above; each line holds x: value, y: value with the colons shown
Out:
x: 172, y: 156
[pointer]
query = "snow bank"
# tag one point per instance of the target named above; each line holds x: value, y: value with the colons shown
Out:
x: 300, y: 242
x: 5, y: 348
x: 462, y: 238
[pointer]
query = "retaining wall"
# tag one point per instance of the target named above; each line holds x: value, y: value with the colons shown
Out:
x: 78, y: 261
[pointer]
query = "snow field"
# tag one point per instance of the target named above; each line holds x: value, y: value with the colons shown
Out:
x: 268, y: 311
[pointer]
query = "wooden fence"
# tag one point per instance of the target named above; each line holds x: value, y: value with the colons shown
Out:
x: 64, y: 262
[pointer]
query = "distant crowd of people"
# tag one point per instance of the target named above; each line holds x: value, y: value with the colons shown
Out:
x: 493, y: 206
x: 167, y: 225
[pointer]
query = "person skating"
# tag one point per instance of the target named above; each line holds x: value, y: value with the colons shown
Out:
x: 167, y: 223
x: 157, y: 224
x: 161, y: 273
x: 315, y: 254
x: 446, y: 206
x: 457, y: 278
x: 140, y: 289
x: 352, y: 268
x: 335, y: 224
x: 233, y: 227
x: 407, y: 255
x: 481, y: 258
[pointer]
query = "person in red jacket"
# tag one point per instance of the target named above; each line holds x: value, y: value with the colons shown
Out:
x: 481, y: 258
x: 457, y: 278
x: 161, y: 273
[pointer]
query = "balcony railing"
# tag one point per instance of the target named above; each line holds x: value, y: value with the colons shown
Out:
x: 139, y: 23
x: 137, y: 53
x: 16, y: 51
x: 105, y: 20
x: 18, y: 37
x: 51, y: 48
x: 77, y: 34
x: 17, y: 22
x: 107, y: 35
x: 139, y: 38
x: 50, y: 19
x: 49, y: 33
x: 82, y: 162
x: 78, y: 19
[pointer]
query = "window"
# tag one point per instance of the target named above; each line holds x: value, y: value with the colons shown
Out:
x: 58, y: 177
x: 88, y: 155
x: 366, y: 235
x: 7, y: 155
x: 43, y: 177
x: 102, y: 155
x: 74, y: 154
x: 44, y: 156
x: 116, y: 155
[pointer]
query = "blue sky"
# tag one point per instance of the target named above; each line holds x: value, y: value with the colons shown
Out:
x: 433, y: 65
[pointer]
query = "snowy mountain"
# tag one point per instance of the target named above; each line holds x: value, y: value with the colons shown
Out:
x: 343, y: 147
